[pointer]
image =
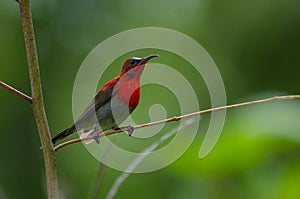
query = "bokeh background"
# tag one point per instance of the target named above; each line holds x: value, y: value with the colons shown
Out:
x: 255, y: 44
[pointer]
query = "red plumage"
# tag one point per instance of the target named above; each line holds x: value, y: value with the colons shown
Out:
x: 114, y: 102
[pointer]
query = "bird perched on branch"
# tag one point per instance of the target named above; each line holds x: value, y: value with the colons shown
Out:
x: 113, y: 103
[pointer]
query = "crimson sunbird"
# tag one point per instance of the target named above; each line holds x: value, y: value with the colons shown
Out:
x: 113, y: 103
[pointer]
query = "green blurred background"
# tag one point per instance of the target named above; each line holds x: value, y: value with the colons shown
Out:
x: 255, y: 44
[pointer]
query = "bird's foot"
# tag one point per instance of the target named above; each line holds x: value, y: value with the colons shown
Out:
x: 97, y: 137
x: 130, y: 129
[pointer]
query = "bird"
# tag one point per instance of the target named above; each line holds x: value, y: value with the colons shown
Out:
x: 112, y: 104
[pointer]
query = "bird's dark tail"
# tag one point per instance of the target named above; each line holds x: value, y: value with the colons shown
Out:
x: 64, y: 134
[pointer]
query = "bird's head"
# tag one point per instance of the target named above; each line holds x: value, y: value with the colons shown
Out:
x: 134, y: 64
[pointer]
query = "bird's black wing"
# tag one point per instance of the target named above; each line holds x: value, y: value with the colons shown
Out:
x: 104, y: 95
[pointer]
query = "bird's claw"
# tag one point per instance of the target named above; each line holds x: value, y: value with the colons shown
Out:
x: 97, y: 137
x: 130, y: 129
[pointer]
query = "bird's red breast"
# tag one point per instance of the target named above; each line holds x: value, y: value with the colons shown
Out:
x: 129, y: 91
x: 121, y: 93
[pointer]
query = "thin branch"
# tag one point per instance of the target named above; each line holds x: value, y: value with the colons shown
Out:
x: 12, y: 89
x: 95, y: 190
x: 37, y: 100
x: 119, y: 181
x: 98, y: 182
x: 176, y: 118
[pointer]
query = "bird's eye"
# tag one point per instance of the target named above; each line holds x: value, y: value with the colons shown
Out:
x: 132, y: 62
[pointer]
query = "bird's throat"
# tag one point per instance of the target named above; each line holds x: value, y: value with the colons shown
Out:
x: 129, y: 93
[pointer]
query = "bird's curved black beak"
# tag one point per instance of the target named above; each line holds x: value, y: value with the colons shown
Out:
x: 147, y: 58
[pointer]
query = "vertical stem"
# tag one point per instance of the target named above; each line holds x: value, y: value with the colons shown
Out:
x: 37, y: 97
x: 98, y: 182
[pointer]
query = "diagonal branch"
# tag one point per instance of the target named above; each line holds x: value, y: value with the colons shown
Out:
x: 176, y: 118
x: 97, y: 185
x: 142, y: 155
x: 12, y: 89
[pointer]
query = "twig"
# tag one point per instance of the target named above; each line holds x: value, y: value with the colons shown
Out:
x: 99, y: 178
x: 37, y: 100
x: 10, y: 88
x: 98, y: 182
x: 119, y: 181
x: 176, y: 118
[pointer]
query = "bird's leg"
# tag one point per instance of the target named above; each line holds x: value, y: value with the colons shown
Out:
x: 128, y: 128
x: 96, y: 135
